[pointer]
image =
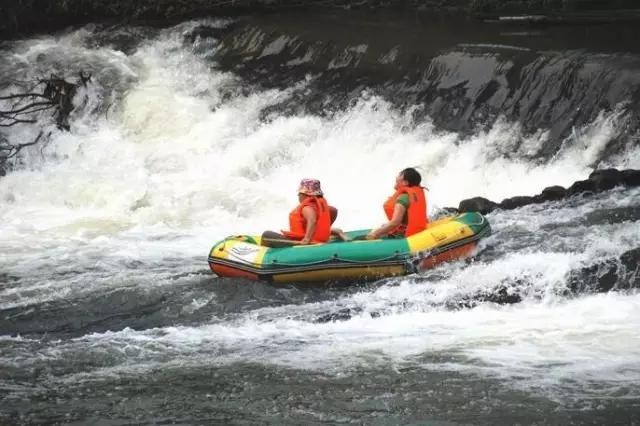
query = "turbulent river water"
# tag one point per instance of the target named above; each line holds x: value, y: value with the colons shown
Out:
x: 110, y: 315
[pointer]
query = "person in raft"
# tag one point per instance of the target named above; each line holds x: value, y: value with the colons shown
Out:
x: 406, y: 209
x: 310, y: 222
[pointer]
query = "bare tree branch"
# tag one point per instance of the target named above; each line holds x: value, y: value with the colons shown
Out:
x: 23, y: 95
x: 24, y: 108
x: 53, y: 93
x: 42, y: 109
x: 15, y: 149
x: 16, y: 121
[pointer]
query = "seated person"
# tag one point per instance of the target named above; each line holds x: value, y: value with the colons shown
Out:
x: 310, y: 222
x: 406, y: 209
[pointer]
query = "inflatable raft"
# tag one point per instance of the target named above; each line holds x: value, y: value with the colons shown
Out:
x: 446, y: 239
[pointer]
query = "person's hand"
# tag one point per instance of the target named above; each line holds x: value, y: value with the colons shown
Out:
x: 304, y: 242
x: 371, y: 236
x: 343, y: 236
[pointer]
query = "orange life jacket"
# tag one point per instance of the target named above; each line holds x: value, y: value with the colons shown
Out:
x: 298, y: 224
x: 416, y: 212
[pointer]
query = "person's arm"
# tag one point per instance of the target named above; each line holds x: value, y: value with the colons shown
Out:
x: 310, y: 216
x: 396, y: 220
x: 340, y: 234
x: 333, y: 212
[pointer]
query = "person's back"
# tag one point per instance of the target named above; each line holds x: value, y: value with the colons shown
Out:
x: 309, y: 222
x: 406, y: 209
x: 300, y: 220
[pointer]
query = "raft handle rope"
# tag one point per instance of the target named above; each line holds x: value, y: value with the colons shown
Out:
x: 406, y: 256
x: 333, y: 259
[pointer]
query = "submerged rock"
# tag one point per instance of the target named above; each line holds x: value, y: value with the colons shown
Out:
x: 630, y: 271
x: 621, y: 273
x: 613, y: 215
x: 503, y: 295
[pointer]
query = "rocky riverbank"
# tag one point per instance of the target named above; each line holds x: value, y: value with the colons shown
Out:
x: 598, y: 181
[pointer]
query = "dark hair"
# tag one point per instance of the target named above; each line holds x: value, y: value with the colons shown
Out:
x: 412, y: 176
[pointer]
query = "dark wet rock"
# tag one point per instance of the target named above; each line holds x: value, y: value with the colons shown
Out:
x: 631, y: 177
x: 503, y: 295
x: 477, y: 204
x: 606, y: 277
x: 630, y: 273
x: 462, y: 80
x: 460, y: 90
x: 443, y: 212
x: 449, y: 210
x: 552, y: 193
x: 114, y: 311
x: 599, y: 180
x: 341, y: 315
x: 606, y: 179
x: 515, y: 202
x: 203, y: 31
x: 581, y: 186
x: 32, y: 15
x: 139, y: 309
x: 614, y: 215
x: 586, y: 279
x: 621, y: 273
x: 119, y: 37
x: 346, y: 314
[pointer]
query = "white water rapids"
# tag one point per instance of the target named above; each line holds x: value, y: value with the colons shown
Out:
x: 173, y: 166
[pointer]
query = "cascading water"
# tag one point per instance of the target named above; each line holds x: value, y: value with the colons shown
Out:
x: 108, y: 310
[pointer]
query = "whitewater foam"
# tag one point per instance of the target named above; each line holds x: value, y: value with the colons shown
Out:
x: 178, y: 163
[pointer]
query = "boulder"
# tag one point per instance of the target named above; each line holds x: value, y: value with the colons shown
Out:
x: 477, y: 204
x: 599, y: 278
x: 552, y: 193
x: 631, y: 177
x: 606, y: 179
x: 630, y: 261
x: 515, y: 202
x: 581, y: 186
x: 443, y: 212
x: 610, y: 274
x: 448, y: 211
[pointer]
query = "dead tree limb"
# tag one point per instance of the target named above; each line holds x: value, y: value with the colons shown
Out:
x: 23, y: 95
x: 51, y: 94
x: 8, y: 150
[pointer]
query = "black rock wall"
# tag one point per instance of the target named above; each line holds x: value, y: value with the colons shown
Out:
x: 462, y: 74
x: 28, y: 16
